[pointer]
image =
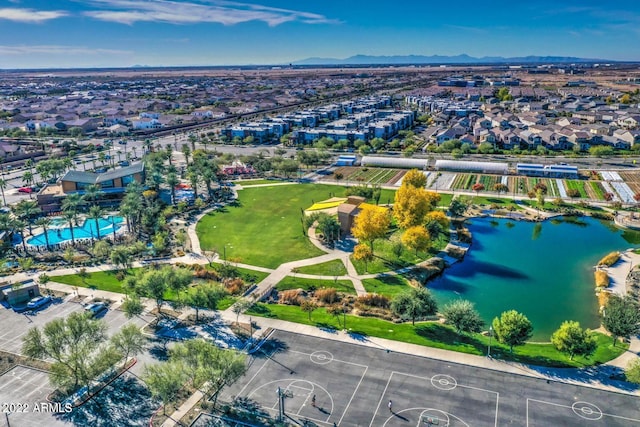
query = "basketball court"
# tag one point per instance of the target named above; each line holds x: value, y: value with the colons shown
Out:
x: 313, y: 381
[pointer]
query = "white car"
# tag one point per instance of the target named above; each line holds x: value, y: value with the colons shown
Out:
x: 38, y: 302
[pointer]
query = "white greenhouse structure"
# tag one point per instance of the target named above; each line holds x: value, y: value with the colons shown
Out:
x: 394, y: 162
x: 465, y: 166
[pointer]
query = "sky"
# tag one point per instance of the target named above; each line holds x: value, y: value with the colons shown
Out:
x: 123, y: 33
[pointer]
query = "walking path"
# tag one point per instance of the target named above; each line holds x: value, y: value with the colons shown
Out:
x: 620, y: 270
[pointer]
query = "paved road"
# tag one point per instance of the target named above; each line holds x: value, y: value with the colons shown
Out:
x: 352, y: 386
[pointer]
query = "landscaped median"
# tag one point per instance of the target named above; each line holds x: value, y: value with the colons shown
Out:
x: 433, y: 334
x: 113, y: 280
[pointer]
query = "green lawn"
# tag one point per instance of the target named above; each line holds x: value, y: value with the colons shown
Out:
x: 385, y: 259
x: 291, y: 282
x: 265, y: 228
x: 106, y: 281
x: 386, y: 285
x: 247, y: 274
x: 577, y: 185
x: 492, y: 200
x: 102, y: 280
x: 329, y: 268
x: 436, y: 335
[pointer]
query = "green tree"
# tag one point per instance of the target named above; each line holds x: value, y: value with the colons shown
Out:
x: 621, y: 317
x: 132, y: 306
x: 75, y: 346
x: 463, y: 316
x: 120, y: 257
x: 414, y: 304
x: 239, y: 307
x: 164, y: 380
x: 512, y: 328
x: 209, y: 367
x: 570, y: 338
x: 459, y: 206
x: 129, y: 341
x: 632, y: 373
x: 205, y: 296
x: 308, y: 307
x: 329, y: 227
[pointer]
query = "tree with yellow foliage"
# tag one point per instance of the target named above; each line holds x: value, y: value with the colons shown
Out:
x: 371, y: 223
x: 411, y: 205
x: 416, y: 238
x: 363, y: 253
x: 415, y: 178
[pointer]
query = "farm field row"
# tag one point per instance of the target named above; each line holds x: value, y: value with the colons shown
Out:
x: 595, y: 188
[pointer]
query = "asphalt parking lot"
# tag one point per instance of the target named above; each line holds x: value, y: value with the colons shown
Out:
x: 353, y: 385
x: 23, y: 393
x: 16, y: 325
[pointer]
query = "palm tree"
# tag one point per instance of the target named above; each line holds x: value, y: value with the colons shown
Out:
x: 92, y: 193
x: 172, y: 181
x: 21, y: 225
x: 44, y: 222
x: 27, y: 179
x: 95, y: 213
x: 26, y: 210
x: 70, y: 207
x: 187, y: 152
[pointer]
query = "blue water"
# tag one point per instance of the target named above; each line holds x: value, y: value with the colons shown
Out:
x: 544, y: 270
x: 85, y: 231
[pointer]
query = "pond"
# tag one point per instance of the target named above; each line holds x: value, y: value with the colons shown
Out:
x: 543, y: 270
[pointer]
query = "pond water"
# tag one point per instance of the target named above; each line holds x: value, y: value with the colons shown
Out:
x: 543, y: 270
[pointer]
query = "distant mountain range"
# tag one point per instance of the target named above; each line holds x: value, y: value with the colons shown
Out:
x: 439, y: 59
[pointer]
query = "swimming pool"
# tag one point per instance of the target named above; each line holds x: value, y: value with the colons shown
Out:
x: 86, y: 230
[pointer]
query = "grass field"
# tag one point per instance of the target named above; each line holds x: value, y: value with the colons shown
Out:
x: 386, y: 260
x: 436, y: 335
x: 329, y: 268
x: 386, y: 285
x: 265, y: 228
x: 291, y: 282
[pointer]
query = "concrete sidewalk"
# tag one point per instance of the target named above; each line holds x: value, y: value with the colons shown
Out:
x: 596, y: 377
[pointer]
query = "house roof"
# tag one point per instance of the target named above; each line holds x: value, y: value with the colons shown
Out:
x: 96, y: 178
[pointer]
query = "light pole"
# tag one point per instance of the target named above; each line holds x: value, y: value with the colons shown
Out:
x: 489, y: 348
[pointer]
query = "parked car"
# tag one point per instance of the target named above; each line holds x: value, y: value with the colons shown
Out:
x: 27, y: 190
x: 95, y: 308
x: 38, y: 302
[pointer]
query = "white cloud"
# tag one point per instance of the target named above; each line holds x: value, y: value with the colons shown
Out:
x: 58, y: 50
x: 30, y: 15
x: 176, y: 12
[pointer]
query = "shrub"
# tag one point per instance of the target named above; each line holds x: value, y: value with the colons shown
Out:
x: 373, y: 300
x: 120, y: 275
x: 327, y: 296
x: 234, y: 286
x: 602, y: 279
x: 291, y: 297
x: 610, y: 259
x: 603, y: 297
x: 574, y: 193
